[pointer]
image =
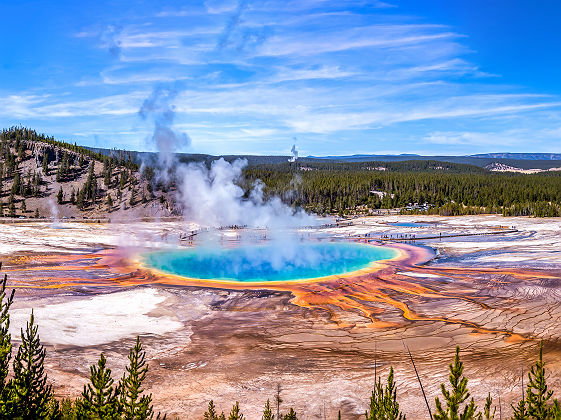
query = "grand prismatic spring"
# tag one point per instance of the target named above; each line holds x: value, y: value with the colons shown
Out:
x: 230, y: 319
x: 260, y: 264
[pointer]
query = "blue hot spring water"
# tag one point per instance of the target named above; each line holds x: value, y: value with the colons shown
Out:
x: 258, y: 263
x: 410, y: 224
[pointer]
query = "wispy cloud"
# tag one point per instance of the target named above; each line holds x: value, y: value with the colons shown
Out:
x: 320, y: 70
x: 43, y: 107
x: 514, y: 139
x: 377, y: 36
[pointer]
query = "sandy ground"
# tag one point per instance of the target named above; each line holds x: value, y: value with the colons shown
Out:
x: 495, y: 295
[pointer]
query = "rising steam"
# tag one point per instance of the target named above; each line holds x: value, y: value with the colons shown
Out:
x: 159, y: 107
x: 294, y: 152
x: 211, y: 196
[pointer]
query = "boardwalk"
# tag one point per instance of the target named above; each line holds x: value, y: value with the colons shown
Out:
x: 408, y: 237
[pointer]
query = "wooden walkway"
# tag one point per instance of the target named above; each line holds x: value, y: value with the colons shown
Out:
x: 410, y: 238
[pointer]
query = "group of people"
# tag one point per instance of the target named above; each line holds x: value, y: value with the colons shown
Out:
x: 407, y: 236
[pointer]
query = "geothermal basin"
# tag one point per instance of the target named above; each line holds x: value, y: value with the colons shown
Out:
x: 229, y: 325
x: 269, y: 262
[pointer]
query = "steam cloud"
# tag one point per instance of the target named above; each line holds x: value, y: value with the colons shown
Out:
x: 54, y: 213
x: 294, y: 152
x: 238, y: 37
x: 213, y: 197
x: 232, y: 24
x: 158, y: 106
x: 110, y: 39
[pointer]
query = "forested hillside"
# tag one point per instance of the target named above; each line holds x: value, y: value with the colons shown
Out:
x: 457, y: 190
x: 376, y: 166
x: 37, y: 171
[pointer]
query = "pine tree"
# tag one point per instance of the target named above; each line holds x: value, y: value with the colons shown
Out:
x: 93, y: 187
x: 81, y: 200
x: 60, y: 196
x: 487, y: 413
x: 31, y: 394
x: 36, y: 213
x: 59, y: 173
x: 109, y: 202
x: 21, y: 151
x: 1, y: 209
x: 5, y: 343
x: 456, y: 396
x: 212, y: 414
x: 556, y: 410
x: 37, y: 181
x: 383, y: 401
x: 12, y: 209
x: 69, y: 409
x: 537, y: 394
x: 235, y: 413
x: 99, y: 398
x: 135, y: 406
x: 291, y: 415
x: 73, y: 196
x: 132, y: 197
x: 45, y: 163
x: 16, y: 184
x: 376, y: 402
x: 268, y: 413
x: 339, y: 415
x: 107, y: 173
x: 23, y: 206
x: 122, y: 180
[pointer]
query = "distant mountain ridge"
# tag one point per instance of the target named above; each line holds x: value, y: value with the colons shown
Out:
x: 522, y: 156
x: 479, y: 160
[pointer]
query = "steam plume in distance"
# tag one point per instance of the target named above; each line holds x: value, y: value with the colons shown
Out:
x: 294, y: 152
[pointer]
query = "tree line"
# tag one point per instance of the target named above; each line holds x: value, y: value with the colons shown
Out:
x: 352, y: 191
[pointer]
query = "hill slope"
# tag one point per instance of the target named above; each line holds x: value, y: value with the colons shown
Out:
x: 42, y: 177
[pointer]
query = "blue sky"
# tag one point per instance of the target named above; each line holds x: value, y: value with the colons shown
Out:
x: 242, y: 76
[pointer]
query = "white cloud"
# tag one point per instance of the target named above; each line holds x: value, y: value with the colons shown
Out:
x: 313, y: 67
x: 514, y: 138
x: 376, y: 36
x: 323, y: 72
x: 18, y: 106
x: 30, y: 107
x: 220, y: 6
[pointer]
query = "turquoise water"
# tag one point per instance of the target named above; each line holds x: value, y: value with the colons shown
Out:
x: 269, y: 262
x: 411, y: 224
